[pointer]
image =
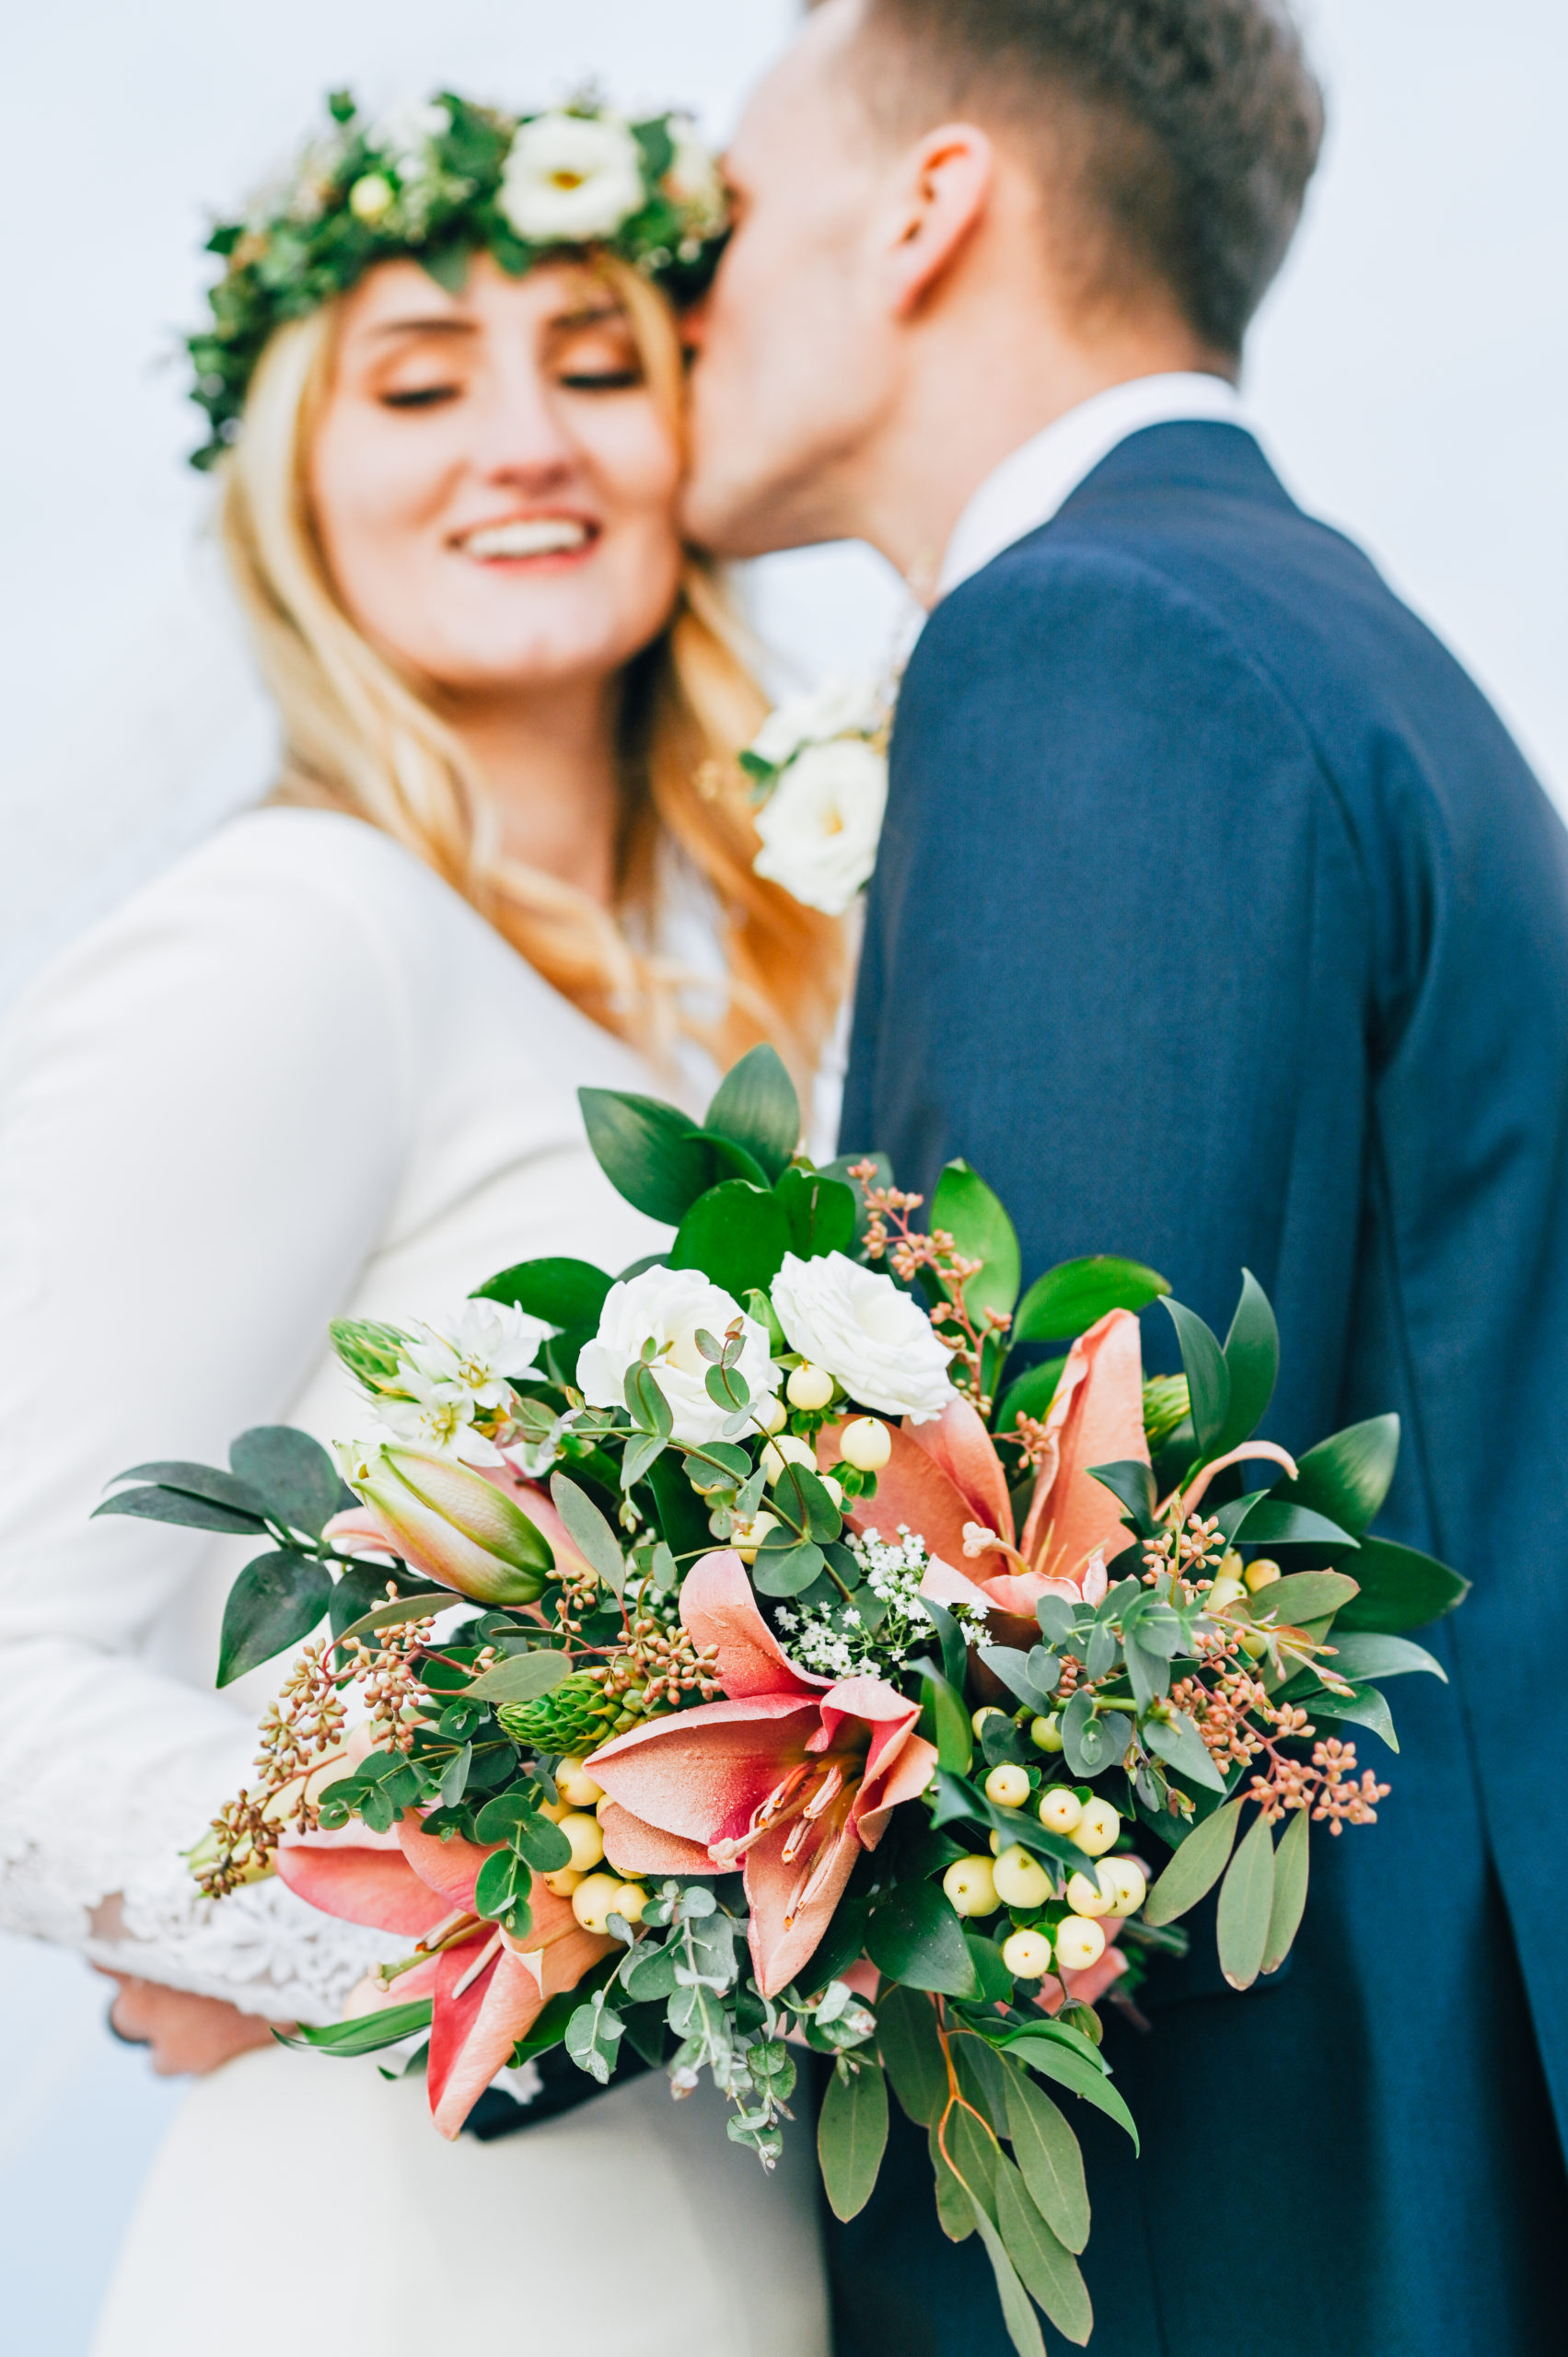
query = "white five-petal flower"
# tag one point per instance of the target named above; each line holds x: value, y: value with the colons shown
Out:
x: 571, y: 177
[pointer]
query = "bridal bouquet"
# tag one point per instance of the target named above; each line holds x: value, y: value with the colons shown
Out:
x: 758, y: 1653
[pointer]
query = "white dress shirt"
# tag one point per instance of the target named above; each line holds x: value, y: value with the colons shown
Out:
x: 1033, y: 481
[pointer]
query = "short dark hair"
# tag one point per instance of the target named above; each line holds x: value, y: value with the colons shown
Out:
x: 1180, y: 134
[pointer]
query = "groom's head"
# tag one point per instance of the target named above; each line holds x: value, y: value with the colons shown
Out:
x: 1026, y: 197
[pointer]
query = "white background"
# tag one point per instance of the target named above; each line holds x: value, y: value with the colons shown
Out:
x: 1408, y: 374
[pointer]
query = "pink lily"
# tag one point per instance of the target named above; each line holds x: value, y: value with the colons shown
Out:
x: 488, y: 1988
x: 473, y: 1530
x: 946, y: 1481
x: 790, y: 1778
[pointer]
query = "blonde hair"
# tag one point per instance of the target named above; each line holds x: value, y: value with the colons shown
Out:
x: 362, y: 736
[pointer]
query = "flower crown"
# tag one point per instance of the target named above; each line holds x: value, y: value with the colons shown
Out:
x: 438, y: 182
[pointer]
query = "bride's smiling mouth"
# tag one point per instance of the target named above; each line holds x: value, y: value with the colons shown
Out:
x: 530, y: 540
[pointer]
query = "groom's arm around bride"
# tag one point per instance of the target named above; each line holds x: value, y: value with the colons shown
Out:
x: 1217, y: 917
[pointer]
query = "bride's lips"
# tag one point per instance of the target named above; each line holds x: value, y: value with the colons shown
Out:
x: 537, y: 541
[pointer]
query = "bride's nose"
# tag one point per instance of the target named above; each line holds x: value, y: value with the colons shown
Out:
x: 521, y: 434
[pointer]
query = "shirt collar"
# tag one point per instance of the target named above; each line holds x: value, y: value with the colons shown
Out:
x: 1033, y: 481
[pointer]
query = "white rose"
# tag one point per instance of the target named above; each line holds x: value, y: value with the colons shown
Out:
x: 819, y: 826
x: 842, y: 706
x: 876, y: 1340
x: 569, y: 177
x: 670, y: 1306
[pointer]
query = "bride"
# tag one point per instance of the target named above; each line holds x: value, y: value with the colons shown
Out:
x: 327, y: 1067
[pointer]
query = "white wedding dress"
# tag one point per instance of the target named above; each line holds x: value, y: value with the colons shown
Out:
x: 298, y: 1077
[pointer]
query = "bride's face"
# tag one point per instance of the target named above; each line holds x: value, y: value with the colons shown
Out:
x: 492, y: 481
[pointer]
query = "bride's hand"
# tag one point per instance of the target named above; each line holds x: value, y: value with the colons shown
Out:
x: 183, y: 2033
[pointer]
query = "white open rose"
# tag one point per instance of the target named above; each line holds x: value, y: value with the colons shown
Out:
x: 842, y: 706
x: 670, y: 1307
x: 876, y: 1340
x: 569, y: 177
x: 821, y: 825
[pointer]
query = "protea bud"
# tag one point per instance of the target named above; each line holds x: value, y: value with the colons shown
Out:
x: 455, y: 1526
x: 372, y: 1353
x: 574, y: 1717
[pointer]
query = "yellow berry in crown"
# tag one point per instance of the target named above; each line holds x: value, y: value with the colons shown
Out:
x: 970, y: 1886
x: 865, y: 1444
x: 370, y: 197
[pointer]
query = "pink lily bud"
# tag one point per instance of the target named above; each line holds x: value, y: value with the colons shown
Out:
x: 455, y: 1526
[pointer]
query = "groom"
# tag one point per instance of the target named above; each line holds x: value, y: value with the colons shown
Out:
x: 1217, y: 921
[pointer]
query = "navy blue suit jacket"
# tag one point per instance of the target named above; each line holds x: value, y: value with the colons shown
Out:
x: 1218, y: 921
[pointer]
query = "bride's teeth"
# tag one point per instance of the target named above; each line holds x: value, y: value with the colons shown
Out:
x: 538, y: 536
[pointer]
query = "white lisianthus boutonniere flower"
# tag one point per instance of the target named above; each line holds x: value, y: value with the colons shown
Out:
x: 818, y: 768
x: 873, y: 1339
x: 671, y: 1307
x: 571, y: 177
x: 839, y: 707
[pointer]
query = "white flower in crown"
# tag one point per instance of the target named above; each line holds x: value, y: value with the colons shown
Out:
x: 669, y: 1306
x: 692, y: 180
x: 821, y: 825
x: 405, y: 133
x: 842, y: 706
x: 858, y: 1326
x: 570, y: 176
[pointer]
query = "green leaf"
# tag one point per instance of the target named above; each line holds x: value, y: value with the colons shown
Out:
x: 736, y: 1234
x: 946, y: 1723
x: 1363, y: 1707
x: 782, y: 1568
x: 911, y: 2052
x: 965, y: 1206
x: 276, y: 1602
x: 1046, y: 2267
x: 1091, y: 1744
x: 1023, y: 2329
x: 160, y: 1502
x: 593, y: 2037
x: 292, y: 1473
x: 1208, y: 1379
x: 1132, y: 1480
x: 367, y: 2033
x: 1263, y: 1520
x: 421, y: 1606
x: 646, y: 1403
x: 588, y: 1531
x: 955, y: 2212
x: 1048, y: 2155
x: 564, y: 1293
x: 1361, y: 1657
x: 502, y: 1888
x: 955, y: 1646
x: 1291, y: 1860
x: 1247, y: 1900
x: 1347, y: 1477
x: 851, y: 2136
x: 522, y: 1677
x: 1252, y: 1363
x: 757, y: 1106
x: 1059, y: 2061
x: 647, y: 1152
x: 1017, y: 1671
x: 1303, y: 1596
x: 914, y: 1937
x: 1400, y: 1588
x: 1178, y: 1744
x: 1076, y: 1294
x: 1198, y: 1865
x: 1030, y: 1396
x: 801, y: 1499
x: 821, y: 1212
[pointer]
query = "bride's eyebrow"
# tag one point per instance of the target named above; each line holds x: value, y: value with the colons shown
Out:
x: 437, y: 326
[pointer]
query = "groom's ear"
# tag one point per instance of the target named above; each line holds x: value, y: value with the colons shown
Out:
x: 939, y: 200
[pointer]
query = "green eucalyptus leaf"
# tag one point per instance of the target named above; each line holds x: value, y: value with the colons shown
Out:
x: 1045, y: 2265
x: 588, y: 1531
x: 1197, y: 1865
x: 785, y: 1568
x: 1176, y: 1740
x: 523, y: 1678
x: 1023, y: 2327
x: 1076, y: 1294
x: 915, y: 1938
x: 1302, y: 1598
x: 1247, y: 1900
x: 1056, y: 2060
x: 851, y: 2136
x: 161, y: 1502
x: 911, y: 2052
x: 1364, y: 1706
x: 1360, y: 1656
x: 1049, y: 2158
x: 1291, y: 1862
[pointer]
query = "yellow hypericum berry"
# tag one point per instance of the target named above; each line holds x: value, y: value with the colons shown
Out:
x: 786, y: 1449
x: 1086, y: 1896
x: 1046, y: 1733
x: 970, y: 1886
x: 562, y: 1880
x: 1079, y: 1942
x: 1007, y: 1785
x: 748, y: 1536
x: 771, y: 1414
x: 835, y: 1488
x: 1097, y: 1829
x: 1027, y: 1956
x: 1224, y: 1592
x: 596, y: 1899
x: 809, y: 1388
x: 1262, y: 1573
x: 986, y: 1710
x: 1020, y: 1879
x: 630, y: 1900
x: 588, y: 1841
x: 575, y: 1784
x: 1254, y: 1643
x: 1059, y: 1809
x: 865, y: 1444
x: 1128, y: 1880
x: 555, y: 1810
x: 370, y: 196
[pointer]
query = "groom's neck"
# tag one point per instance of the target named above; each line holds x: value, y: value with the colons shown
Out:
x: 974, y: 391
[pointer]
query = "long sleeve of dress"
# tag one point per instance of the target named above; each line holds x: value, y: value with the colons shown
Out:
x: 203, y: 1113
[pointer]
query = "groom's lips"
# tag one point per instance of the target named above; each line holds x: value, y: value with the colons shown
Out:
x: 536, y: 543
